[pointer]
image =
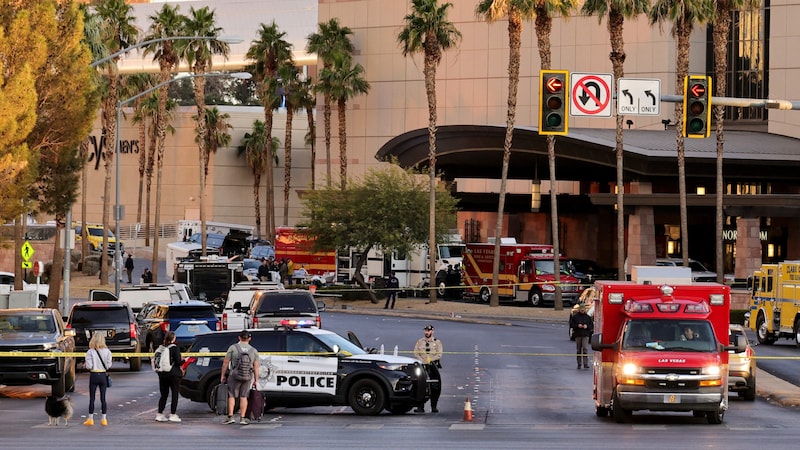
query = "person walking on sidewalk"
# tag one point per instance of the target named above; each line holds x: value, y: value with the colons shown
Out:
x: 429, y: 350
x: 392, y: 285
x: 241, y: 363
x: 98, y: 360
x: 170, y: 381
x: 129, y: 268
x: 583, y: 326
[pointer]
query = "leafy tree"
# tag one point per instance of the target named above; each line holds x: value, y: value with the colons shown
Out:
x: 332, y: 39
x: 117, y: 32
x: 198, y: 53
x: 257, y: 155
x: 268, y: 52
x: 164, y: 24
x: 684, y: 14
x: 345, y: 81
x: 617, y: 11
x: 386, y: 210
x: 428, y: 31
x: 66, y: 109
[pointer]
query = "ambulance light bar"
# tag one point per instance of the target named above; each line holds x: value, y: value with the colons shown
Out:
x: 698, y: 308
x: 670, y: 307
x: 637, y: 307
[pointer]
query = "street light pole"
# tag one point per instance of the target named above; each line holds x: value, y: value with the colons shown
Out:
x: 223, y: 39
x: 117, y: 206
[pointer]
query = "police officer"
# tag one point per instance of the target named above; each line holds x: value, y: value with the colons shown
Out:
x: 392, y: 286
x: 428, y: 350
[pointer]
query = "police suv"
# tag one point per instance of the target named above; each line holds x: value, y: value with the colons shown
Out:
x: 305, y: 366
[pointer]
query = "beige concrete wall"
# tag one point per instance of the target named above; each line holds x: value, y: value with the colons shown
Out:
x: 784, y: 65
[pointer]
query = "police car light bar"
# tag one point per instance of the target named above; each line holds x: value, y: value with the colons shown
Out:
x: 294, y: 323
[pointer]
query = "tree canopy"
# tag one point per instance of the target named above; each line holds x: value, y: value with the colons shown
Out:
x: 386, y: 210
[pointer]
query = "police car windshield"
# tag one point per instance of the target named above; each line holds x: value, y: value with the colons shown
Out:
x: 344, y: 345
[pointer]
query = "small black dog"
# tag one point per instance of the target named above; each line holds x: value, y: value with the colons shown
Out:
x: 56, y: 408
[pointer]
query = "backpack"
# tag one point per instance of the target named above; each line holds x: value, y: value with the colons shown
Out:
x: 161, y: 359
x: 243, y: 370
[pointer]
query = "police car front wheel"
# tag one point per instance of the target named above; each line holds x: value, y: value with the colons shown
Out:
x: 367, y: 397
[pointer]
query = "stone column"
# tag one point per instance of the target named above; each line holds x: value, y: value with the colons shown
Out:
x: 748, y: 246
x: 641, y: 231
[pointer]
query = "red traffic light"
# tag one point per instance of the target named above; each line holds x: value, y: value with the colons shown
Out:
x: 697, y: 90
x: 554, y: 84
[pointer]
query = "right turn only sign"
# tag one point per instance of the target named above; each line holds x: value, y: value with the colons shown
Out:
x: 639, y: 96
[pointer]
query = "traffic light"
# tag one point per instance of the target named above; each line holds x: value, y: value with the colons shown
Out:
x: 697, y: 106
x: 553, y: 102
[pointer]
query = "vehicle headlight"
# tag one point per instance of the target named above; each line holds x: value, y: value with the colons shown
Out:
x: 630, y: 369
x: 711, y: 370
x: 548, y: 288
x: 387, y: 366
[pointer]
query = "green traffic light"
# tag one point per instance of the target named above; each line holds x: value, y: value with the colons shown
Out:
x: 696, y: 125
x: 553, y: 120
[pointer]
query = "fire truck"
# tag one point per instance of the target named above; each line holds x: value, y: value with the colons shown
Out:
x: 661, y: 347
x: 526, y: 274
x: 295, y: 244
x: 775, y: 302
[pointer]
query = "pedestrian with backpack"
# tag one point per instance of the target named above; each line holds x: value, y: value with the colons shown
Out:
x: 240, y: 371
x: 167, y: 364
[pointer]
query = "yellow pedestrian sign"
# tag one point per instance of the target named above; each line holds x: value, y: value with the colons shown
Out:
x: 27, y: 265
x: 27, y: 251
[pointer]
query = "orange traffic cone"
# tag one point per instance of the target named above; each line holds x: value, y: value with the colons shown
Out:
x: 467, y: 411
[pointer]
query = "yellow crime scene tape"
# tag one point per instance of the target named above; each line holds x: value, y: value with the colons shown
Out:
x: 222, y: 354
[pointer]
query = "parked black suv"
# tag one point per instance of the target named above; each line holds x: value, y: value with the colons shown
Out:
x: 36, y: 330
x: 269, y: 308
x: 311, y: 367
x: 115, y: 320
x: 186, y: 318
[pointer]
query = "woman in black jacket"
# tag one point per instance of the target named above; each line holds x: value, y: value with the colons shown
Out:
x: 170, y: 380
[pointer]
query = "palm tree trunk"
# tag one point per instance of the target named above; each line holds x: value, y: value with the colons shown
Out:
x: 514, y: 34
x: 326, y: 114
x: 202, y: 131
x: 257, y: 202
x: 720, y: 37
x: 151, y: 160
x: 313, y: 136
x: 287, y: 163
x: 342, y: 107
x: 683, y: 31
x: 110, y: 111
x: 84, y: 191
x: 430, y: 90
x: 142, y: 163
x: 161, y: 133
x: 270, y: 216
x: 615, y: 25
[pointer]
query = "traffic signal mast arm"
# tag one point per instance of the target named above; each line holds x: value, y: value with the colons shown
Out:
x: 740, y: 102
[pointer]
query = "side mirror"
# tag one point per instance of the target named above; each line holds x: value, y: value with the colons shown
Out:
x: 597, y: 342
x: 321, y: 306
x: 237, y: 306
x: 739, y: 346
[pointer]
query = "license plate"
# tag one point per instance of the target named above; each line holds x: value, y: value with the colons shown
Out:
x: 193, y: 328
x: 672, y: 398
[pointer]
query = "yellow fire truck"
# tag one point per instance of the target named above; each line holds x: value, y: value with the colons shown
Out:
x: 775, y: 302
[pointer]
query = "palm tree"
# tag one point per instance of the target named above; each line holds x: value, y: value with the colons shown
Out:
x: 150, y: 110
x: 287, y: 75
x: 134, y: 84
x: 720, y: 31
x: 332, y: 39
x: 198, y: 53
x: 346, y: 81
x: 117, y: 32
x: 258, y: 156
x: 618, y: 11
x: 515, y: 11
x: 268, y: 52
x: 165, y: 24
x: 308, y: 102
x: 428, y: 31
x: 684, y: 14
x: 216, y: 133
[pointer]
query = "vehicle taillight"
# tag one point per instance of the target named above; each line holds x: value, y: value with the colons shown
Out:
x: 133, y: 331
x: 187, y: 362
x: 319, y: 322
x: 219, y: 325
x: 68, y: 326
x: 224, y: 321
x: 165, y: 326
x: 255, y: 322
